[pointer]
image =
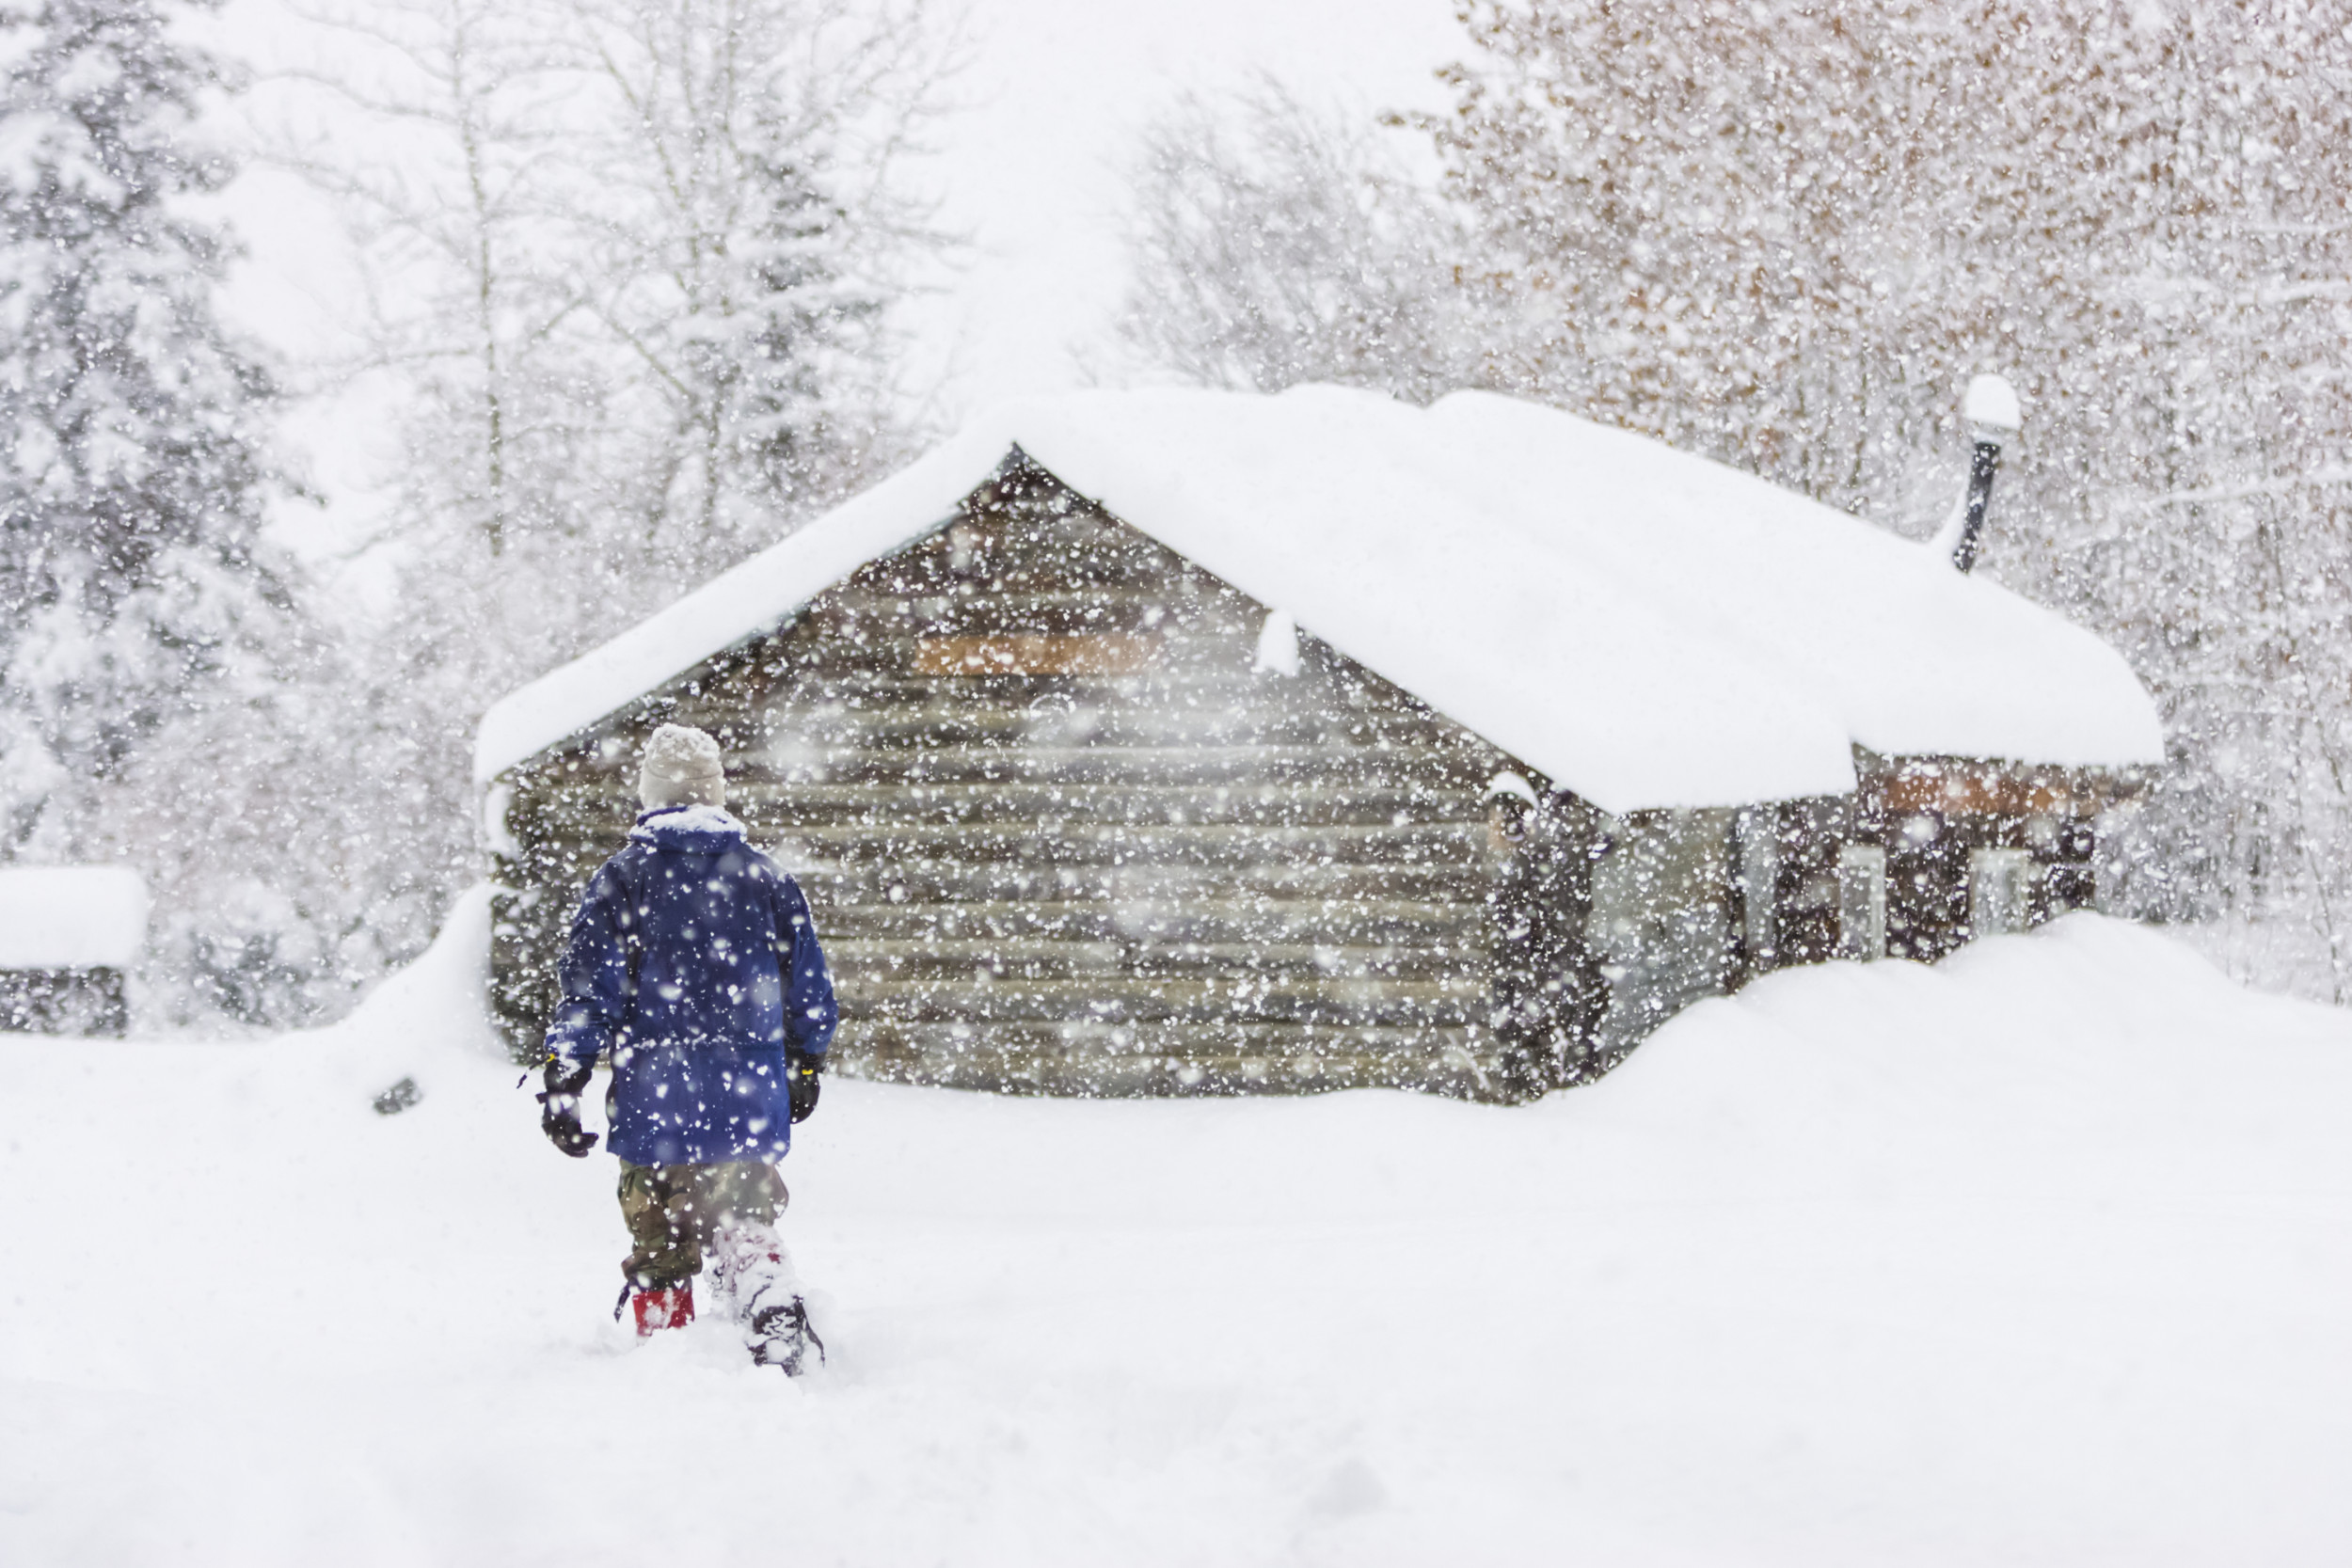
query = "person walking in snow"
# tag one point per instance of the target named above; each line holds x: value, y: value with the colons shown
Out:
x: 694, y: 966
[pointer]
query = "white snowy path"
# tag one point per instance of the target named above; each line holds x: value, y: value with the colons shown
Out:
x: 2045, y: 1255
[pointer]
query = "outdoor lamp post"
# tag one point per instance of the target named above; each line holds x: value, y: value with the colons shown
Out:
x: 1990, y: 410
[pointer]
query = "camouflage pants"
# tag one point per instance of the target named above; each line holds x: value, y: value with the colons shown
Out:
x: 673, y: 1212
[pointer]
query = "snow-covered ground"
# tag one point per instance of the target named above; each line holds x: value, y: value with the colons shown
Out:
x: 2041, y: 1256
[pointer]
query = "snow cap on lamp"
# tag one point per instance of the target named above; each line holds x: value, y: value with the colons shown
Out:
x: 1991, y: 407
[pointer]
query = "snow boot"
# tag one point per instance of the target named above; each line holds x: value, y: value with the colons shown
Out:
x: 779, y: 1335
x: 756, y: 1280
x: 655, y: 1310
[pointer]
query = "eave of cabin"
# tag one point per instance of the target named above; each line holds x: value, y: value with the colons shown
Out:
x: 1957, y: 786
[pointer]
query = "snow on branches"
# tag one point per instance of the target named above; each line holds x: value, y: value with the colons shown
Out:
x: 129, y: 465
x: 1786, y: 237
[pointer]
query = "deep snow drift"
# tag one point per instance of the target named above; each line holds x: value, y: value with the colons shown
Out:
x: 2038, y: 1256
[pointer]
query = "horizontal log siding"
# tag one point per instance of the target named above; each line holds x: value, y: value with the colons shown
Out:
x: 1929, y: 813
x: 1195, y: 877
x: 87, y: 1001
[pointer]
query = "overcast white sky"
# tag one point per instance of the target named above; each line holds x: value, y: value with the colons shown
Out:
x: 1029, y: 169
x: 1058, y: 88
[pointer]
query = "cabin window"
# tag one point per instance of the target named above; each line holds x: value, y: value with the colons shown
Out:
x: 1861, y: 901
x: 2000, y: 891
x: 1759, y: 878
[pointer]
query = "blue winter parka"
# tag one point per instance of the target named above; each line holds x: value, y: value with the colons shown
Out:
x: 693, y: 963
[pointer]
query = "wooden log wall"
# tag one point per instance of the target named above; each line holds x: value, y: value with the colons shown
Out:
x: 1806, y: 834
x: 1663, y: 927
x: 1929, y: 813
x: 89, y: 1001
x: 1062, y: 835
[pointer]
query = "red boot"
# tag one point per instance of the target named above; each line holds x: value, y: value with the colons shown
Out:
x: 659, y: 1309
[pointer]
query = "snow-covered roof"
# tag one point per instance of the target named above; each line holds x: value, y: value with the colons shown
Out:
x: 1648, y: 627
x: 71, y: 916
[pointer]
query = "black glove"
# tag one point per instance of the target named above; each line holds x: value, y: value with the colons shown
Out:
x: 799, y: 1076
x: 559, y: 1113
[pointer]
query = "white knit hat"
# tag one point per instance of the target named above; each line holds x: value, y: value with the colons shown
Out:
x: 681, y: 767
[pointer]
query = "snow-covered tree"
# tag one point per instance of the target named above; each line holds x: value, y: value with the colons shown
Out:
x: 130, y: 474
x: 1786, y: 237
x: 447, y: 175
x: 443, y: 150
x: 166, y: 699
x: 745, y: 239
x: 630, y: 270
x: 635, y: 265
x: 1272, y: 244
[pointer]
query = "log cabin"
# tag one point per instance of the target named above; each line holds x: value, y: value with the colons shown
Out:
x: 1175, y: 741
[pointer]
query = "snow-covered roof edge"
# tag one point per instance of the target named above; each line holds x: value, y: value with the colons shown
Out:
x: 746, y: 600
x: 71, y: 916
x: 1655, y: 660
